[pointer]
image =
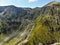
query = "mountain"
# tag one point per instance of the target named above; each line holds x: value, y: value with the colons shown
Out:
x: 18, y: 11
x: 40, y: 25
x: 12, y: 14
x: 47, y: 26
x: 13, y: 20
x: 52, y: 3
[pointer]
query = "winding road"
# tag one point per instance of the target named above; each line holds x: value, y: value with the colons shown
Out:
x: 23, y: 33
x: 28, y: 35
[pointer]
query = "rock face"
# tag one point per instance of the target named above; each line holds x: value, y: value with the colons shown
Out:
x: 8, y: 11
x: 12, y: 17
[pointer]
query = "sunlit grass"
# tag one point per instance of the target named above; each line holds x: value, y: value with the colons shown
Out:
x: 2, y: 36
x: 12, y: 41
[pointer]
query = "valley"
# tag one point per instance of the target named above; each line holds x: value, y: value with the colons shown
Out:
x: 30, y: 26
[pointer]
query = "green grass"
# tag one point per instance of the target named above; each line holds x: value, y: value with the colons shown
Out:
x: 12, y: 41
x: 42, y: 32
x: 2, y: 36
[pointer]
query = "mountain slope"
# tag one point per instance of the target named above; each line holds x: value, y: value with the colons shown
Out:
x: 47, y: 26
x: 52, y: 3
x: 35, y: 26
x: 14, y: 18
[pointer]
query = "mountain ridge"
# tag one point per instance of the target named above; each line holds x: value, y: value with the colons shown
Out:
x: 46, y: 23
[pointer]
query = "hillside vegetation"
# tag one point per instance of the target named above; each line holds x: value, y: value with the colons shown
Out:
x: 47, y: 27
x: 27, y: 26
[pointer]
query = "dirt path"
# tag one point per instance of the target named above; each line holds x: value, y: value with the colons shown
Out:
x: 26, y: 40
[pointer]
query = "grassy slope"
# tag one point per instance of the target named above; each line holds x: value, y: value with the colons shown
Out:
x: 47, y: 29
x: 42, y: 32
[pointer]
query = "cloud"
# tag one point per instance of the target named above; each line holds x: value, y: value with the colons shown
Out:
x: 30, y: 1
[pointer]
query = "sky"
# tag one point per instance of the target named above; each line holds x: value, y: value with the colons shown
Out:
x: 25, y: 3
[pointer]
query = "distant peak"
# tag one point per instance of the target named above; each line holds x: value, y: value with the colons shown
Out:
x: 11, y: 6
x: 53, y: 2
